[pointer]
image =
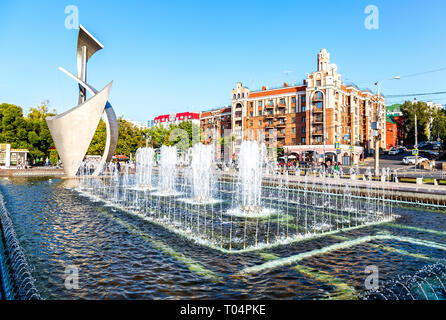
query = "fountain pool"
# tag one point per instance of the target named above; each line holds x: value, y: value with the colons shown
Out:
x: 122, y: 256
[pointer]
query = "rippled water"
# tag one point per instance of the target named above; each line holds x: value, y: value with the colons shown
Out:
x: 120, y: 256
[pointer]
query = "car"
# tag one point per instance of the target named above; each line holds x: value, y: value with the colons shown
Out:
x: 413, y: 160
x: 394, y: 151
x: 430, y: 154
x: 397, y: 150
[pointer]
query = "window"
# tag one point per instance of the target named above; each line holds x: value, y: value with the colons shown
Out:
x: 302, y: 99
x: 293, y: 100
x: 293, y: 130
x: 270, y: 122
x: 260, y: 103
x: 282, y: 101
x: 251, y: 123
x: 293, y: 141
x: 304, y: 108
x: 260, y: 112
x: 250, y: 113
x: 304, y: 140
x: 318, y: 139
x: 318, y: 83
x: 282, y: 130
x: 234, y: 96
x: 304, y: 129
x: 318, y: 105
x: 318, y: 96
x: 238, y: 95
x: 251, y: 104
x: 304, y: 119
x: 260, y: 123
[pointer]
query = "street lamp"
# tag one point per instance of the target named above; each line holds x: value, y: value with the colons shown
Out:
x: 376, y: 128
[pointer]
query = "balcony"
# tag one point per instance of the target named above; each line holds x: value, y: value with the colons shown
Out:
x: 269, y: 106
x: 281, y: 115
x: 281, y: 124
x: 282, y: 105
x: 269, y: 116
x: 318, y: 110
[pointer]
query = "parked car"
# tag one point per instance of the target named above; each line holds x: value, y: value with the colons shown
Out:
x: 396, y: 150
x: 413, y: 160
x: 430, y: 154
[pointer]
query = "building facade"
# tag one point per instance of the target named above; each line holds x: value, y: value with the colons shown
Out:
x: 320, y: 112
x: 137, y: 124
x: 216, y: 128
x: 12, y: 157
x: 177, y: 118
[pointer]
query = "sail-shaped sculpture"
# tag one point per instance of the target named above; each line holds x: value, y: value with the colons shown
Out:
x: 73, y: 130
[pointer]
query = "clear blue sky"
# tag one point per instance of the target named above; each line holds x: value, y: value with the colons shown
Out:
x: 172, y: 56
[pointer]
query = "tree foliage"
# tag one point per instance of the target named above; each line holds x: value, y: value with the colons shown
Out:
x: 429, y: 120
x: 26, y: 132
x: 183, y: 135
x: 129, y: 140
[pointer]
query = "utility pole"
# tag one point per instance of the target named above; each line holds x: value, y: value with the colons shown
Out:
x: 416, y: 131
x: 378, y: 135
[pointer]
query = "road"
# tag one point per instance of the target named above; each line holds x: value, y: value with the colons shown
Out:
x: 395, y: 163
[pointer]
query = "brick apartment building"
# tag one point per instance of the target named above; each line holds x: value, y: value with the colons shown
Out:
x: 214, y: 123
x: 310, y: 118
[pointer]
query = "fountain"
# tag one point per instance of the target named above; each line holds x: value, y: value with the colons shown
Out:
x: 201, y: 172
x: 144, y: 166
x: 168, y: 170
x: 252, y: 157
x: 237, y: 211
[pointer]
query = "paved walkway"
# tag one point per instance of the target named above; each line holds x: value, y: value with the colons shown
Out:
x: 38, y: 171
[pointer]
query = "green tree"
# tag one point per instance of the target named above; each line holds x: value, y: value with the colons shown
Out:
x: 423, y: 113
x: 30, y: 132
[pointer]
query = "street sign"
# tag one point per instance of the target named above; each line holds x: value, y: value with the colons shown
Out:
x: 346, y: 137
x: 337, y: 145
x: 351, y: 148
x: 376, y: 125
x: 415, y: 152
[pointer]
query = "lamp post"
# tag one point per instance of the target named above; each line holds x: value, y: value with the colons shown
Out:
x: 416, y: 130
x: 378, y: 136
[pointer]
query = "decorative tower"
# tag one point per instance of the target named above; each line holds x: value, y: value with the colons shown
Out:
x: 323, y: 60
